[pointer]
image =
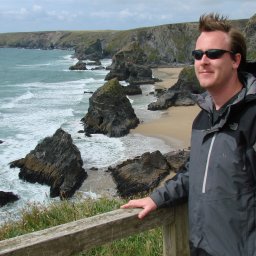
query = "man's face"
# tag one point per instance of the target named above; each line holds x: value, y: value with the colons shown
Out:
x: 214, y: 73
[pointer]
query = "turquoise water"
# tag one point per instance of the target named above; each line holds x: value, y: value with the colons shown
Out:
x: 38, y: 94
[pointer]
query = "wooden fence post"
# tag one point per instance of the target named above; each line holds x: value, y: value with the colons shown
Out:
x: 175, y: 235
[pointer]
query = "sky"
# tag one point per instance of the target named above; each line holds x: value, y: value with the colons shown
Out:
x: 55, y: 15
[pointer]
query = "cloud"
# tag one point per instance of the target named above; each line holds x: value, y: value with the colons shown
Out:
x: 16, y: 14
x: 126, y: 13
x: 62, y: 16
x: 37, y: 8
x: 112, y: 14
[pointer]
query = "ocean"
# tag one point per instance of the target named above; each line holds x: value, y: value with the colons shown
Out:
x: 38, y: 95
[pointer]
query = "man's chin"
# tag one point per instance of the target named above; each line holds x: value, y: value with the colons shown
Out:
x: 206, y: 85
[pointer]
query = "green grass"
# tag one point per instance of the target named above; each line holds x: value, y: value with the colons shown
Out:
x: 37, y: 217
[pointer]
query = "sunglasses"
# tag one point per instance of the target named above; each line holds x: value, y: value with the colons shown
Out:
x: 211, y: 54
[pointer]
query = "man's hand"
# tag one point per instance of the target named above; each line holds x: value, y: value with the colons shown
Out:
x: 146, y: 203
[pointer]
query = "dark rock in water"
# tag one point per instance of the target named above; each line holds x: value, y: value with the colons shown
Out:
x: 1, y: 142
x: 128, y: 65
x: 80, y: 65
x: 110, y: 112
x: 7, y: 197
x: 140, y: 174
x: 144, y: 173
x: 181, y: 94
x: 139, y: 74
x: 132, y: 90
x: 55, y: 161
x: 94, y: 169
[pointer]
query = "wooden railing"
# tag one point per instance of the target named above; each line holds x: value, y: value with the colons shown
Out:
x: 84, y: 234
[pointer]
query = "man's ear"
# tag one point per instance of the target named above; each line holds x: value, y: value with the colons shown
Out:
x: 236, y: 60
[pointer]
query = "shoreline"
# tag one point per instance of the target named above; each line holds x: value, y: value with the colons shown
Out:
x: 174, y: 125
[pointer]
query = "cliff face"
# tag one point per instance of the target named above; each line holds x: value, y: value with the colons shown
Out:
x: 250, y: 33
x: 161, y: 44
x: 168, y: 43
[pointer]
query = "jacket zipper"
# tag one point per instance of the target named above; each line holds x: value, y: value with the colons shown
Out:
x: 207, y: 163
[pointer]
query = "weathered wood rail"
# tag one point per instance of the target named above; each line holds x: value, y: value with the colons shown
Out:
x: 84, y: 234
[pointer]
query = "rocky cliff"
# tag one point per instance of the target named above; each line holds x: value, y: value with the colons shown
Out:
x: 162, y: 45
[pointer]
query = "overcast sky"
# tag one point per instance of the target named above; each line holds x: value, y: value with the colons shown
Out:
x: 51, y: 15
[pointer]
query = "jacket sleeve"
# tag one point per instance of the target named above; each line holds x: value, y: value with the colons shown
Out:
x: 174, y: 190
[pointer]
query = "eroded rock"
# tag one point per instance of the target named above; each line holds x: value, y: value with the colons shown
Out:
x: 110, y: 112
x: 55, y: 161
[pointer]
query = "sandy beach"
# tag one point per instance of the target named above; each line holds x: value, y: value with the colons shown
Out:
x: 174, y: 126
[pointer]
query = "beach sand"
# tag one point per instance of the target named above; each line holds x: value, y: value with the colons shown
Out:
x: 174, y: 126
x: 169, y: 76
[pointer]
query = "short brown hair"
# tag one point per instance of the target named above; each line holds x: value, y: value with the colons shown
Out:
x: 216, y: 22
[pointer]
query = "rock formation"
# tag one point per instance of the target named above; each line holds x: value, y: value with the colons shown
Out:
x: 132, y: 89
x: 127, y: 65
x: 144, y: 173
x: 7, y: 197
x: 181, y: 94
x: 93, y: 51
x: 55, y: 161
x: 80, y: 65
x: 110, y: 112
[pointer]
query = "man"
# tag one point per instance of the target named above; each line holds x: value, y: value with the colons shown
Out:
x: 220, y: 178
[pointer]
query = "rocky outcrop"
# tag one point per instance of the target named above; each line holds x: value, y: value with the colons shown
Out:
x: 110, y: 112
x: 55, y: 161
x: 144, y: 173
x: 80, y: 65
x: 181, y: 94
x: 7, y: 197
x: 127, y: 65
x: 132, y: 90
x: 92, y: 52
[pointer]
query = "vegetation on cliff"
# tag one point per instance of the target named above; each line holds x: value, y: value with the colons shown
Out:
x: 162, y: 45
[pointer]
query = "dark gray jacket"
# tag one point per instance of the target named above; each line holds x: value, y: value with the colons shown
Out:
x: 220, y: 178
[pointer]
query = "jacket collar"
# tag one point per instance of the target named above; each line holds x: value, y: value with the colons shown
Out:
x: 248, y: 93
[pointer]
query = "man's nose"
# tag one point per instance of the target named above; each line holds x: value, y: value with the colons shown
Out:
x: 205, y: 59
